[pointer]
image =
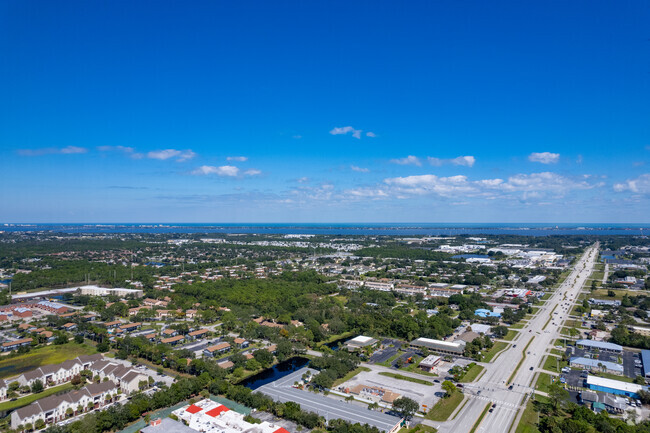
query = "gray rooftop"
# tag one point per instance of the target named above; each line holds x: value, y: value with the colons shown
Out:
x: 600, y: 345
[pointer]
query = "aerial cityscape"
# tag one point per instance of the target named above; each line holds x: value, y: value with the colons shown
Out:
x: 327, y: 217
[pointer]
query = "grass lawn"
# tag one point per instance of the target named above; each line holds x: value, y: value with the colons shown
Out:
x: 472, y: 373
x: 543, y: 382
x: 551, y: 363
x: 413, y: 368
x: 528, y: 422
x: 545, y: 296
x: 556, y: 352
x: 350, y: 375
x: 510, y: 335
x: 517, y: 326
x: 498, y: 347
x: 407, y: 378
x: 24, y: 401
x: 445, y: 406
x: 52, y: 354
x: 618, y: 294
x: 420, y: 428
x: 573, y: 323
x: 575, y: 312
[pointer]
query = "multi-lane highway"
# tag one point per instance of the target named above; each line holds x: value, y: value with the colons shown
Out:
x: 534, y: 339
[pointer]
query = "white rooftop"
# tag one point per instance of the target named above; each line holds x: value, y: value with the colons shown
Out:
x: 614, y: 384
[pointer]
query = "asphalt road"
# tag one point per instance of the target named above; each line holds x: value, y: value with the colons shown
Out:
x: 493, y: 384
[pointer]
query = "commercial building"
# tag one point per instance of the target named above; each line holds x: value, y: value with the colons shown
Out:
x: 166, y: 425
x: 482, y: 312
x: 479, y: 328
x: 605, y: 302
x: 596, y: 365
x: 105, y: 291
x: 447, y: 347
x: 360, y: 342
x: 614, y: 386
x: 645, y: 359
x: 430, y: 363
x: 602, y: 346
x: 212, y: 417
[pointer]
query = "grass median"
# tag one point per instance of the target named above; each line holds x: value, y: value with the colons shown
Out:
x: 496, y: 348
x: 472, y: 373
x: 523, y: 358
x: 407, y: 378
x: 349, y: 376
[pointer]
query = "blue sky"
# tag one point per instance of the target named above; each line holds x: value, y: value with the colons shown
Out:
x: 365, y: 111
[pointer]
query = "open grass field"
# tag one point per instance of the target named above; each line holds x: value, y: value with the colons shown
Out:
x: 618, y: 294
x: 551, y: 364
x: 472, y: 374
x: 529, y: 419
x: 43, y: 356
x: 350, y: 375
x: 543, y: 382
x: 24, y: 401
x: 445, y: 406
x: 498, y: 347
x: 510, y: 335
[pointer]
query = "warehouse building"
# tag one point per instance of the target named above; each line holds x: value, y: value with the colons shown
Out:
x: 614, y: 386
x: 596, y: 365
x: 360, y: 342
x: 645, y: 359
x: 447, y: 347
x: 600, y: 345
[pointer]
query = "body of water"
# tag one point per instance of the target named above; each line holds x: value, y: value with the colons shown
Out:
x: 274, y: 373
x: 402, y: 229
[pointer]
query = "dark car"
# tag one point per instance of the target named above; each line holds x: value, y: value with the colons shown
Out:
x: 531, y: 368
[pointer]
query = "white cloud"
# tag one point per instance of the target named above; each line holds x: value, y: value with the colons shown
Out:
x: 224, y: 170
x: 344, y: 130
x: 124, y: 149
x: 73, y: 149
x: 466, y: 161
x: 237, y: 158
x: 371, y: 134
x: 68, y: 150
x: 359, y: 169
x: 180, y: 155
x: 639, y: 185
x: 544, y: 157
x: 409, y: 160
x: 253, y: 172
x: 303, y: 179
x: 532, y: 185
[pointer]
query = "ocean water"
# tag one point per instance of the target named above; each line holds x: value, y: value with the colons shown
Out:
x: 372, y: 229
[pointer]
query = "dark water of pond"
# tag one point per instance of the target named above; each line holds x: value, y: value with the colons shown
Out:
x: 274, y: 373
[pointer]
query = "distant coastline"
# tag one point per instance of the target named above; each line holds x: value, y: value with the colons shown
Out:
x: 369, y: 229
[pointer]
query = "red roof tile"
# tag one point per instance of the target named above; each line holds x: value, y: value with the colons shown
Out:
x: 193, y: 409
x: 217, y: 411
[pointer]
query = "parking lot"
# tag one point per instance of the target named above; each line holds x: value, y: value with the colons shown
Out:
x: 628, y: 359
x: 423, y: 394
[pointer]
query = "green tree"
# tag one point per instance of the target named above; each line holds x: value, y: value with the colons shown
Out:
x: 557, y: 395
x: 449, y: 387
x: 406, y: 407
x: 37, y: 386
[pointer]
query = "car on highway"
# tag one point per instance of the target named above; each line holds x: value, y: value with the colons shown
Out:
x: 510, y: 387
x: 531, y: 368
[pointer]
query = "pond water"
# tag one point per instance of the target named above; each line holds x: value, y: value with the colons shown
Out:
x: 274, y: 373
